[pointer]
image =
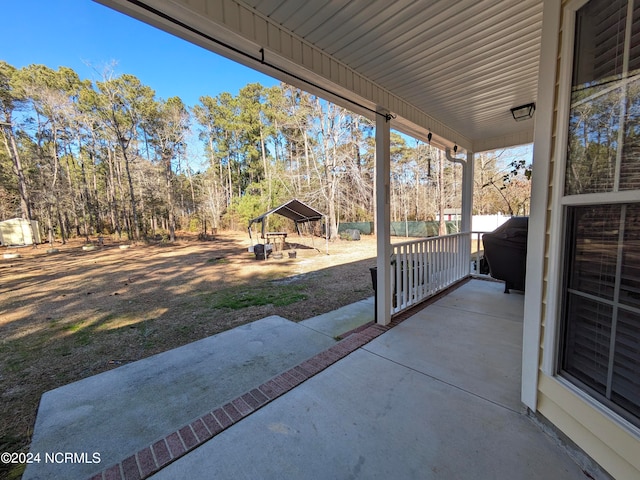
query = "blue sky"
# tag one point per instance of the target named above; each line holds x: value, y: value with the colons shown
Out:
x: 75, y: 33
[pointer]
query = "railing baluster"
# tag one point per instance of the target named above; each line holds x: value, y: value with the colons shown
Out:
x: 447, y: 257
x: 454, y: 258
x: 407, y: 275
x: 457, y: 258
x: 423, y: 268
x: 441, y: 254
x: 400, y: 280
x: 436, y: 264
x: 450, y: 259
x: 403, y: 281
x: 433, y: 267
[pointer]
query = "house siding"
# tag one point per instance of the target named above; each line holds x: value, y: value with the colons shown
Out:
x: 609, y: 440
x: 613, y: 448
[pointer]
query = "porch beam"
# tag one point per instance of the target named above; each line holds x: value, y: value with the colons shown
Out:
x: 511, y: 140
x: 383, y: 219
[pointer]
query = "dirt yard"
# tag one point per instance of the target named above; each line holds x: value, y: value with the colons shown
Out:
x: 78, y: 312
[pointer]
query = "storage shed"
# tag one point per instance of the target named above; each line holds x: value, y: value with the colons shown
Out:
x: 19, y: 231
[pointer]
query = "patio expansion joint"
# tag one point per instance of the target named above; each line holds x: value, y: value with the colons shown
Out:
x: 166, y: 450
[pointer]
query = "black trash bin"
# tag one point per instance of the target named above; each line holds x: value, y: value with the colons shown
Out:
x: 258, y: 250
x: 374, y: 282
x: 374, y: 277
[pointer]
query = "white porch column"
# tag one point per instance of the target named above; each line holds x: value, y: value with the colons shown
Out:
x: 467, y: 193
x: 467, y: 207
x: 383, y: 219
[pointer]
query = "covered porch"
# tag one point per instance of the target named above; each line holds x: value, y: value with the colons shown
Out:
x: 448, y: 407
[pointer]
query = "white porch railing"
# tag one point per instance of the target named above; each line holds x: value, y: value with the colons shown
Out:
x: 421, y: 268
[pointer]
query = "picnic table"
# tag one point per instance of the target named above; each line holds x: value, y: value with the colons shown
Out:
x: 277, y: 239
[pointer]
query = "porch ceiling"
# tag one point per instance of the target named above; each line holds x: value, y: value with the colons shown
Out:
x: 461, y: 64
x: 466, y: 62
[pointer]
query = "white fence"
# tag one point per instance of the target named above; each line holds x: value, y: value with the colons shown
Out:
x: 422, y: 268
x: 487, y: 223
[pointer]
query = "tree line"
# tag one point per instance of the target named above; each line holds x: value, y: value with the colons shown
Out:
x: 109, y: 157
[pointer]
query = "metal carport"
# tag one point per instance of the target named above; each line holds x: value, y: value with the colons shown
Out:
x: 294, y: 210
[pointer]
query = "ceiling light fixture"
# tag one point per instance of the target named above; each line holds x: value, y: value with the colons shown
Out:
x: 523, y: 112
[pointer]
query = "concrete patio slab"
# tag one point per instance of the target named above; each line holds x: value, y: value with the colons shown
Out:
x: 367, y: 417
x: 471, y: 338
x: 487, y: 297
x: 122, y: 410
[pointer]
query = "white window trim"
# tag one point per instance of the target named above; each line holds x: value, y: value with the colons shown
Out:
x: 625, y: 196
x: 557, y: 233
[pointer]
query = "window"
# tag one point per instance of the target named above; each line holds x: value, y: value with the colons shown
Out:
x: 600, y: 336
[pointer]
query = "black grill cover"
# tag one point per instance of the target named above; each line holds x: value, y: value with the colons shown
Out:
x: 505, y: 250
